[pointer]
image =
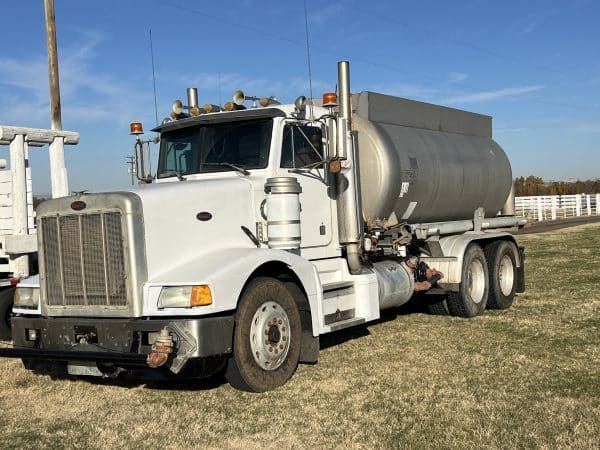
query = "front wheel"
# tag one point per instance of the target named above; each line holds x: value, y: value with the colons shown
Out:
x: 266, y: 340
x: 472, y: 297
x: 6, y: 303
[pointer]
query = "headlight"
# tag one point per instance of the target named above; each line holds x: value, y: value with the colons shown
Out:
x: 184, y: 296
x: 27, y: 297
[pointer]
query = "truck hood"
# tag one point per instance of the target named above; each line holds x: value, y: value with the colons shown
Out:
x: 186, y: 219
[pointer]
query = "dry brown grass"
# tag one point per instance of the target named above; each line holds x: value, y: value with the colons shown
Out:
x: 528, y: 377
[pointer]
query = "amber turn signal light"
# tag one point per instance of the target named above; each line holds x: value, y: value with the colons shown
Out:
x: 200, y: 296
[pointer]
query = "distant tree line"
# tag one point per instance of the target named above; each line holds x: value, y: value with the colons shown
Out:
x: 533, y: 185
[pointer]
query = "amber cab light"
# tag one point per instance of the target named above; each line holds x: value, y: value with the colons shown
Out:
x: 329, y: 99
x: 136, y: 128
x: 335, y: 166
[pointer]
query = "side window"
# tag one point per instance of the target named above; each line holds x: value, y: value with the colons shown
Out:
x: 302, y: 146
x: 179, y: 155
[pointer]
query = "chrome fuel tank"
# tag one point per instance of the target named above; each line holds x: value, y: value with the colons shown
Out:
x: 426, y: 163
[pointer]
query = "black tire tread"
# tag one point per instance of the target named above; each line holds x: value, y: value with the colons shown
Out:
x: 459, y: 303
x: 438, y: 308
x: 242, y: 372
x: 6, y: 302
x: 496, y: 299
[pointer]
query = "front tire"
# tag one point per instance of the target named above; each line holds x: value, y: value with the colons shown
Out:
x: 267, y: 337
x: 472, y: 297
x: 6, y: 303
x: 502, y: 268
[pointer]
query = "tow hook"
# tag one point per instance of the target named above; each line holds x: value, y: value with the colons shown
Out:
x: 161, y: 349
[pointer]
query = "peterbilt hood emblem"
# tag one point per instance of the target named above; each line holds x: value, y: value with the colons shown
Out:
x: 78, y: 205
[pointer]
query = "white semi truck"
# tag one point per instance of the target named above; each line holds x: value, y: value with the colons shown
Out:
x: 267, y: 227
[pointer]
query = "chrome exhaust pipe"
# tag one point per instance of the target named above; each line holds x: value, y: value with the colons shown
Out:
x: 192, y: 95
x: 347, y: 190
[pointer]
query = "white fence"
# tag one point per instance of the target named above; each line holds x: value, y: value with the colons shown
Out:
x: 552, y: 207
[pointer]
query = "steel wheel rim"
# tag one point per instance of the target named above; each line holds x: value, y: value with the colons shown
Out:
x: 506, y: 275
x: 476, y: 281
x: 270, y: 336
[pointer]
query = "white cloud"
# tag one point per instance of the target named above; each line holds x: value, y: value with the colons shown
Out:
x: 485, y: 96
x: 322, y: 14
x: 87, y: 94
x: 588, y: 127
x: 529, y: 28
x: 457, y: 77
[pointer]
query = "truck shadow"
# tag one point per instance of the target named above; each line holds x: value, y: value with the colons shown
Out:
x: 348, y: 334
x: 162, y: 381
x: 149, y: 379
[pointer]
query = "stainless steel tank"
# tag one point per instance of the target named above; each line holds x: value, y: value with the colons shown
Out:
x: 426, y: 163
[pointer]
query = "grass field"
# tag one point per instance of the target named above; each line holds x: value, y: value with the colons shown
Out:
x: 528, y: 377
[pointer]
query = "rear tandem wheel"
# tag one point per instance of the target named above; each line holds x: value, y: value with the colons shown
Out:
x: 472, y: 297
x: 502, y: 267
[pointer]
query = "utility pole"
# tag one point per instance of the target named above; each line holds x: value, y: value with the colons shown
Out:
x: 58, y: 170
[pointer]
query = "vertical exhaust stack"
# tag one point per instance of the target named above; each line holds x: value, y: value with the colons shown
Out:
x: 347, y: 188
x: 192, y: 95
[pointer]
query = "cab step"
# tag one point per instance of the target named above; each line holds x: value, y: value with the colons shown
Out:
x: 347, y: 323
x: 337, y: 286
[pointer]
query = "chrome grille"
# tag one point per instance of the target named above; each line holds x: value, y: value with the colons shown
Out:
x: 84, y: 260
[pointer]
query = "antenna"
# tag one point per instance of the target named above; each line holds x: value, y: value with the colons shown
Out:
x: 153, y: 79
x: 310, y: 95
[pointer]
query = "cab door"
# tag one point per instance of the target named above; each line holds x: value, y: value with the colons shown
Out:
x: 302, y: 156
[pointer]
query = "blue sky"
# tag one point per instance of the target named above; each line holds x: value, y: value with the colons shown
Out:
x: 534, y: 66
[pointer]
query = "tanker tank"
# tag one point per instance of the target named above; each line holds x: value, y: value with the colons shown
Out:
x: 426, y: 163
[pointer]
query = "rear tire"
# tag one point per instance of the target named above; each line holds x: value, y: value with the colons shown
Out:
x: 472, y: 297
x: 502, y: 267
x: 6, y: 303
x: 266, y: 338
x: 438, y: 307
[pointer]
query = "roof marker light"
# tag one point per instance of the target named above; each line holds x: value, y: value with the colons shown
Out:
x: 210, y: 108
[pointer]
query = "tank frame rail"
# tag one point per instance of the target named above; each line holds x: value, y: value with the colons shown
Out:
x: 129, y: 359
x: 479, y: 223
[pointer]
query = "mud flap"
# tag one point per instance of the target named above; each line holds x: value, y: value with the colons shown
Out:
x: 521, y: 271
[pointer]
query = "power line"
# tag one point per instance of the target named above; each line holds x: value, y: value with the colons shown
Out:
x: 366, y: 61
x: 436, y: 36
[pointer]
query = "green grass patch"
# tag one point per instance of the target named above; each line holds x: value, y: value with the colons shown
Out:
x: 527, y: 377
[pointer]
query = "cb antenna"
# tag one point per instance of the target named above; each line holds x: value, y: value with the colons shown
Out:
x: 153, y: 78
x: 310, y: 91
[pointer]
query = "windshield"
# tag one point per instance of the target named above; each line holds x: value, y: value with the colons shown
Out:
x: 215, y: 147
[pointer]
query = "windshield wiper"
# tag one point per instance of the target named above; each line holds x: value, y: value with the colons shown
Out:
x: 233, y: 166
